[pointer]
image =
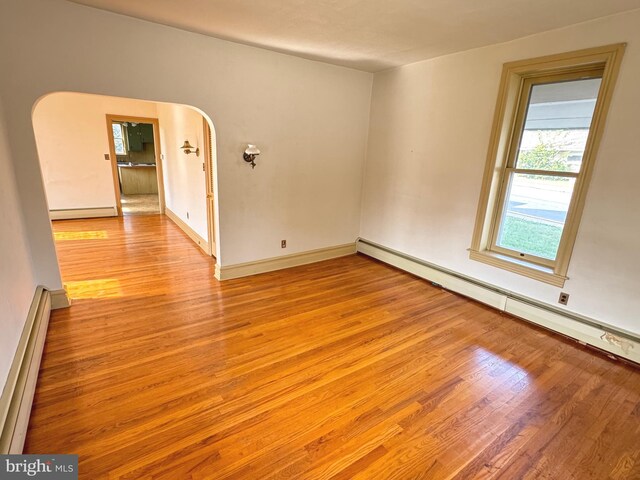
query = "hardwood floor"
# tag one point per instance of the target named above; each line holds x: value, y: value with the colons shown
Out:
x: 345, y: 369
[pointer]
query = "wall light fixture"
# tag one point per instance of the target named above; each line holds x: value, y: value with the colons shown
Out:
x: 187, y: 148
x: 250, y: 154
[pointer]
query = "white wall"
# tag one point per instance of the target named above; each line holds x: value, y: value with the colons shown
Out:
x: 184, y: 178
x: 428, y: 140
x: 309, y: 119
x: 72, y: 138
x: 17, y: 282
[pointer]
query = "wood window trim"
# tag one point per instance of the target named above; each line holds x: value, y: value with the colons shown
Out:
x: 511, y: 167
x: 505, y: 127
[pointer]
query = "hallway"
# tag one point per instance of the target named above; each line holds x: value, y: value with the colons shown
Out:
x: 340, y: 369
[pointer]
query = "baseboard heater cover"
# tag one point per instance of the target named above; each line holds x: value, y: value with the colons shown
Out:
x: 583, y: 329
x: 78, y: 213
x: 17, y: 396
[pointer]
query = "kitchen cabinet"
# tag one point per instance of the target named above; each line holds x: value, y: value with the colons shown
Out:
x: 146, y: 132
x: 138, y: 179
x: 139, y: 135
x: 135, y: 139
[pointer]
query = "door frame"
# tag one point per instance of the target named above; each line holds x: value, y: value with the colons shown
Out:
x: 209, y: 186
x: 114, y: 158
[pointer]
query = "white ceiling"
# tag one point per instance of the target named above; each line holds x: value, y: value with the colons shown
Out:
x: 369, y: 35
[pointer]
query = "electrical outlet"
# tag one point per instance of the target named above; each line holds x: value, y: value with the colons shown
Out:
x: 187, y: 215
x: 563, y: 299
x: 283, y: 244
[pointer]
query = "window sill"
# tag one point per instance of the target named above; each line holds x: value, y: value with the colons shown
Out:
x: 521, y: 267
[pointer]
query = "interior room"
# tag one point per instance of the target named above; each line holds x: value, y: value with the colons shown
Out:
x: 360, y: 240
x: 137, y: 171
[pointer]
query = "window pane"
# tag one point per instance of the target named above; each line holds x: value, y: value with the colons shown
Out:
x: 117, y: 130
x: 534, y: 215
x: 118, y: 139
x: 557, y: 125
x: 119, y: 144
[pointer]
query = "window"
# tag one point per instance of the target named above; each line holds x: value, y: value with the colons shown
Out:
x: 119, y: 139
x: 547, y: 126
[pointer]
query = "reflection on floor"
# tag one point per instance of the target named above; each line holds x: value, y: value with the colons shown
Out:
x: 140, y: 204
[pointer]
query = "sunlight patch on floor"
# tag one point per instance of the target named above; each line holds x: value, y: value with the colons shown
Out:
x: 501, y: 363
x: 87, y: 235
x: 99, y: 288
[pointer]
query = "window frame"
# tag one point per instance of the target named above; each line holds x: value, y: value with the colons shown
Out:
x: 508, y: 126
x: 510, y: 168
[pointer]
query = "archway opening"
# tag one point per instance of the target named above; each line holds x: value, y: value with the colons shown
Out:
x: 101, y: 156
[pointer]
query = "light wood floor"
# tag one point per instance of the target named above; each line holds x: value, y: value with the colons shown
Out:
x: 346, y: 369
x: 140, y: 204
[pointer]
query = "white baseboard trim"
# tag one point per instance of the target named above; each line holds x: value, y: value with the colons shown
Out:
x: 228, y: 272
x: 59, y: 299
x: 201, y: 242
x: 76, y: 213
x: 585, y: 330
x: 17, y: 396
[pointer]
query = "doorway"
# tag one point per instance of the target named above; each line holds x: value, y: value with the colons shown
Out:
x: 136, y: 165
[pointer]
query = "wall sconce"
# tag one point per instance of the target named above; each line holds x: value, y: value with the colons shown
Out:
x: 187, y: 148
x: 250, y: 155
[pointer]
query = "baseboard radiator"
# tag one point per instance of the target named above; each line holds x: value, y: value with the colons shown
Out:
x: 77, y: 213
x: 17, y: 396
x: 585, y: 330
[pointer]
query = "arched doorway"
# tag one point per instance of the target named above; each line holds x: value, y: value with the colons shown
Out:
x: 83, y: 163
